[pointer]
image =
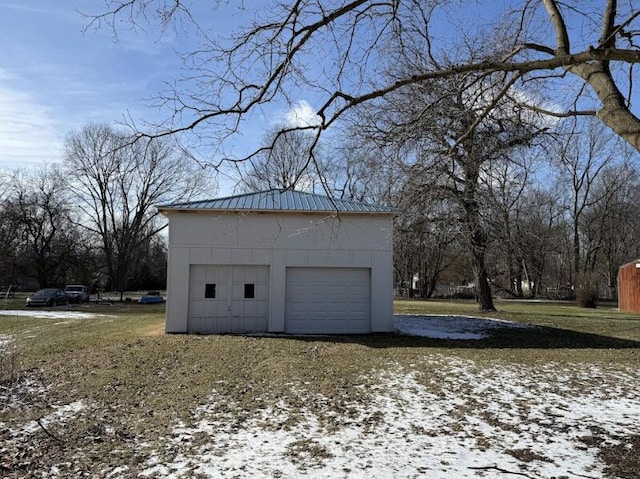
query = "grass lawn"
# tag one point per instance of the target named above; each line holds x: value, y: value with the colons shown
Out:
x: 116, y: 397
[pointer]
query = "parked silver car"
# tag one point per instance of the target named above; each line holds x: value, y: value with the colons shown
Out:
x: 48, y: 297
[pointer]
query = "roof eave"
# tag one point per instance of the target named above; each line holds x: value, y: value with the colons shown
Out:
x: 169, y: 209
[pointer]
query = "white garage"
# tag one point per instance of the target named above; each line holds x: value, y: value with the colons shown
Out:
x: 279, y: 262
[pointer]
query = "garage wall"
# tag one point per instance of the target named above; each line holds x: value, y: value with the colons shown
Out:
x: 280, y: 241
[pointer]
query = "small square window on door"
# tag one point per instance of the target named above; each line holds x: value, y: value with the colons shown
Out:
x: 249, y: 291
x: 210, y: 291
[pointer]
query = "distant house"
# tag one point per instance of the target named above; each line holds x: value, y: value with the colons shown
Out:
x: 629, y: 287
x: 279, y: 262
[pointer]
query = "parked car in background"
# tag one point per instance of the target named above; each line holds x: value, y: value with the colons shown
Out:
x: 152, y: 297
x: 78, y: 293
x: 48, y: 297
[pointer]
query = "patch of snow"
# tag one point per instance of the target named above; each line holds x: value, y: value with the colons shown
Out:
x: 61, y: 414
x: 5, y: 341
x: 17, y: 394
x: 459, y: 419
x: 451, y: 327
x: 51, y: 314
x: 118, y: 471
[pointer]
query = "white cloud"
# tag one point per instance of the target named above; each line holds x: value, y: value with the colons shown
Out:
x: 537, y: 101
x: 37, y: 114
x: 28, y: 134
x: 302, y: 114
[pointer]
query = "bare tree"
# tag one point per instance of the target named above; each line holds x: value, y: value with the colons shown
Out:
x: 429, y: 125
x: 8, y: 234
x: 284, y: 164
x: 425, y: 232
x: 117, y: 185
x: 583, y: 153
x: 585, y: 50
x: 610, y: 227
x: 40, y: 215
x: 539, y: 232
x: 363, y: 171
x: 569, y: 58
x: 507, y: 183
x: 152, y: 272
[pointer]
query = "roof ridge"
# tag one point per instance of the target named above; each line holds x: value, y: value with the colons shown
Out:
x: 282, y: 200
x: 223, y: 198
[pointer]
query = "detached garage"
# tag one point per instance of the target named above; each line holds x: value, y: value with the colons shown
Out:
x: 279, y: 262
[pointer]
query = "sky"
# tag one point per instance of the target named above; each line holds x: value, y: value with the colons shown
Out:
x: 55, y: 78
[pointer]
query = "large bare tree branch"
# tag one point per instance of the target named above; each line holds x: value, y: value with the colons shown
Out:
x: 562, y: 37
x: 266, y: 60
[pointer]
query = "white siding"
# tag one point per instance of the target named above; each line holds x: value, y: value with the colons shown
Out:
x: 278, y: 242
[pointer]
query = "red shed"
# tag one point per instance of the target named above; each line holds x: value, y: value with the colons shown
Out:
x: 629, y: 287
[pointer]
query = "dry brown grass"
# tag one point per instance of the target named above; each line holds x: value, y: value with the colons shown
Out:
x: 136, y: 382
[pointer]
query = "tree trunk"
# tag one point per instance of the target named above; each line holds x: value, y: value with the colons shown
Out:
x: 477, y: 236
x: 427, y: 283
x: 483, y: 289
x: 518, y: 282
x: 576, y: 249
x: 478, y: 248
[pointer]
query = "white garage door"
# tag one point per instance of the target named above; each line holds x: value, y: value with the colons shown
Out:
x: 228, y: 299
x: 328, y: 300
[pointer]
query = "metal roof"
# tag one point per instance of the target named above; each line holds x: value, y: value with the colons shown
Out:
x: 280, y: 200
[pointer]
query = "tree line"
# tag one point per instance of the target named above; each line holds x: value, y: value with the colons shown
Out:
x: 534, y: 212
x: 92, y: 219
x: 556, y: 220
x: 532, y: 209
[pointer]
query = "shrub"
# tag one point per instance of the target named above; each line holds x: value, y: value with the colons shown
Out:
x: 587, y: 290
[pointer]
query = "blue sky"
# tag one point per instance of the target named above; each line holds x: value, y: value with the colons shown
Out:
x: 54, y: 78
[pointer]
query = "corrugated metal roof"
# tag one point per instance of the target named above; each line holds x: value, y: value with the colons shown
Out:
x: 280, y: 200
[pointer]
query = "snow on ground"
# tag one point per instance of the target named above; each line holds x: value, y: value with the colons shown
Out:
x: 5, y: 342
x: 59, y: 314
x: 466, y: 420
x: 450, y: 327
x: 469, y: 421
x: 61, y: 414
